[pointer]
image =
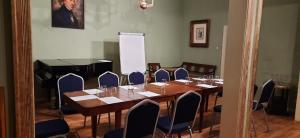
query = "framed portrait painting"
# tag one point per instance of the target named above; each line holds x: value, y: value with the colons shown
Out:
x: 199, y: 33
x: 68, y: 13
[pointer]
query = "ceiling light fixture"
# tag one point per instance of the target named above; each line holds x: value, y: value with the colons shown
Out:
x: 144, y: 4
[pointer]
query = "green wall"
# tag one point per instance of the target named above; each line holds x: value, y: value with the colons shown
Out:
x: 217, y: 12
x: 162, y: 25
x: 167, y: 33
x: 277, y: 42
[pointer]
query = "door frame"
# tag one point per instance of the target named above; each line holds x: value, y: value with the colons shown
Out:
x: 22, y: 68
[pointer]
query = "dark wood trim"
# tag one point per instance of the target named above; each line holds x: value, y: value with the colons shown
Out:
x: 207, y: 22
x: 22, y: 68
x: 2, y: 114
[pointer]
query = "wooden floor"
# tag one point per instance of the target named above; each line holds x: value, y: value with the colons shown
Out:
x: 281, y: 126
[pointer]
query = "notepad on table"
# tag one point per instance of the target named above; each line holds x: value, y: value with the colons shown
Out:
x: 206, y: 86
x: 219, y: 82
x: 93, y: 91
x: 85, y: 97
x: 199, y: 79
x: 159, y: 83
x: 128, y: 87
x: 110, y: 100
x: 103, y: 60
x: 183, y: 81
x: 148, y: 94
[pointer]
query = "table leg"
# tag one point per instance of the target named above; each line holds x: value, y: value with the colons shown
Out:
x: 206, y: 103
x: 94, y: 126
x: 118, y: 115
x: 201, y: 113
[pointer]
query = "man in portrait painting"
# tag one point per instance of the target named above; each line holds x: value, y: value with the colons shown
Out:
x: 63, y: 14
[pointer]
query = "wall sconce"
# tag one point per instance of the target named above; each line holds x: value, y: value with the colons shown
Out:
x: 143, y: 4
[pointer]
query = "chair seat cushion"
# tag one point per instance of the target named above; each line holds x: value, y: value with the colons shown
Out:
x: 51, y: 128
x: 164, y: 124
x: 68, y: 110
x: 118, y: 133
x: 218, y: 108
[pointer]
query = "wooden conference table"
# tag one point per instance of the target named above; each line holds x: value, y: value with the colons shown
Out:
x: 94, y: 107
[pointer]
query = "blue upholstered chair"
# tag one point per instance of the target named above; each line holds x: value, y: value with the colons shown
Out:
x: 181, y: 73
x: 68, y: 83
x: 263, y: 101
x: 161, y: 74
x: 218, y: 109
x: 183, y: 117
x: 51, y: 128
x: 108, y: 79
x: 140, y: 122
x: 136, y: 78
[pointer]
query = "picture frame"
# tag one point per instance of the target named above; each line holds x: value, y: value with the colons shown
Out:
x: 199, y: 33
x: 67, y: 13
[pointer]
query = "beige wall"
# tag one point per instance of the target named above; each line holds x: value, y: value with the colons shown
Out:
x: 162, y: 25
x: 216, y: 11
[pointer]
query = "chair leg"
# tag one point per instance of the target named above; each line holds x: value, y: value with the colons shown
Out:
x: 191, y: 133
x: 266, y: 120
x: 253, y: 125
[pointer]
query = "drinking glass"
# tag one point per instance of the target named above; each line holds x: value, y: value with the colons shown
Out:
x: 130, y: 87
x: 163, y: 87
x: 104, y: 89
x: 187, y: 80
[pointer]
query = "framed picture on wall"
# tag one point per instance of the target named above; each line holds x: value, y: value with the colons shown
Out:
x: 199, y: 33
x: 68, y: 13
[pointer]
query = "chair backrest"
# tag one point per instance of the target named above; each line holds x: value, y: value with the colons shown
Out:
x: 68, y: 83
x: 136, y: 78
x: 141, y: 119
x: 108, y: 79
x: 161, y: 74
x: 267, y: 91
x: 185, y: 109
x: 255, y: 90
x: 181, y: 73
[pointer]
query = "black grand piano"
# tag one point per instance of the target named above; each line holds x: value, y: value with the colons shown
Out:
x: 47, y: 71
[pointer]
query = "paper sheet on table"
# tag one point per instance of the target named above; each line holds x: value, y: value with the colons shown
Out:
x: 217, y: 79
x: 219, y: 82
x: 85, y: 97
x: 159, y: 83
x: 103, y: 60
x: 199, y: 79
x: 110, y: 100
x: 184, y: 81
x: 128, y: 87
x: 148, y: 94
x: 92, y: 91
x: 206, y: 86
